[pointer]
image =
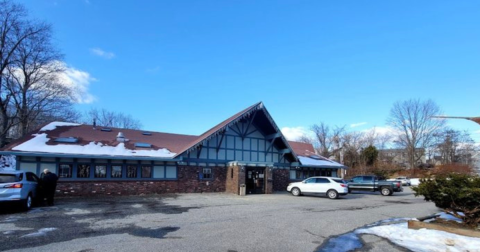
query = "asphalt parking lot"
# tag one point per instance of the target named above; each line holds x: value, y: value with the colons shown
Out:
x: 204, y: 222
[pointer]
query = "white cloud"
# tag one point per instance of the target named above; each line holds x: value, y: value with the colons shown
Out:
x: 354, y: 125
x: 295, y: 133
x: 79, y: 81
x: 104, y: 54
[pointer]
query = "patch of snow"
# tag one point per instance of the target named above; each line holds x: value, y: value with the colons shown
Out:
x: 8, y: 162
x: 137, y: 206
x: 40, y: 232
x: 422, y: 240
x: 75, y: 211
x: 54, y: 125
x: 38, y: 144
x: 414, y: 181
x: 396, y: 230
x: 342, y: 243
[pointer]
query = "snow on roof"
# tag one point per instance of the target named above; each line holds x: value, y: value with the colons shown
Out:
x: 38, y: 144
x: 54, y: 125
x: 318, y: 162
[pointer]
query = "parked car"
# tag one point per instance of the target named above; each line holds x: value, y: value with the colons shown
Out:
x: 405, y: 181
x: 374, y: 184
x: 329, y: 186
x: 18, y: 187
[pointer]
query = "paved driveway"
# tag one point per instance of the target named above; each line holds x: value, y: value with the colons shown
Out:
x: 203, y: 222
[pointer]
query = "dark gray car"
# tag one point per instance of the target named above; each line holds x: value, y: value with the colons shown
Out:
x: 18, y: 187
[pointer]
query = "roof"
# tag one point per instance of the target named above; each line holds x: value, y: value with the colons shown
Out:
x: 220, y: 127
x: 302, y: 149
x: 87, y: 140
x: 95, y: 141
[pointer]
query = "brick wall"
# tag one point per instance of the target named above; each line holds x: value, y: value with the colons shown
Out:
x: 233, y: 182
x: 188, y: 182
x: 281, y: 179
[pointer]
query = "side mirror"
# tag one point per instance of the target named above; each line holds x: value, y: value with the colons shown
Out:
x: 351, y: 180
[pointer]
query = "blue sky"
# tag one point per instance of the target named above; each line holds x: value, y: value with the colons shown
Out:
x: 184, y: 66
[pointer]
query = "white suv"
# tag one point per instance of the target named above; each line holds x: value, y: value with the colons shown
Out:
x: 331, y: 187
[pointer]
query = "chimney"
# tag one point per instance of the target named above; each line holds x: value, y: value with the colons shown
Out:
x: 94, y: 124
x: 120, y: 137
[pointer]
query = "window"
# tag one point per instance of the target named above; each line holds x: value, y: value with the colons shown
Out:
x: 131, y: 171
x: 116, y: 171
x: 310, y: 181
x: 100, y: 171
x: 66, y: 140
x: 367, y: 178
x: 207, y: 173
x: 159, y: 171
x: 357, y: 180
x: 32, y: 177
x: 323, y: 181
x: 171, y: 172
x: 146, y: 171
x: 83, y: 171
x: 65, y: 171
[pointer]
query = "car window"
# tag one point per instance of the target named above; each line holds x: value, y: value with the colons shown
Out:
x: 31, y: 177
x: 367, y: 178
x: 358, y: 180
x: 310, y: 181
x: 322, y: 181
x: 340, y: 181
x: 10, y: 178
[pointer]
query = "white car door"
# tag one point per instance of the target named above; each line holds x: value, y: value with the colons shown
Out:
x: 323, y: 184
x: 308, y: 185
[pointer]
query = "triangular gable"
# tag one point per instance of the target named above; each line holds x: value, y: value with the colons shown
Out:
x: 230, y: 122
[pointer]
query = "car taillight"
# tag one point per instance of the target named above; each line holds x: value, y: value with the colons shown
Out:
x: 399, y: 184
x: 343, y: 185
x: 13, y: 186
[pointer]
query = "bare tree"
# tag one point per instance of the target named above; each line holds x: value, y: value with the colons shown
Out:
x: 413, y: 119
x: 29, y: 65
x: 107, y: 118
x: 454, y: 146
x: 328, y: 142
x: 33, y: 80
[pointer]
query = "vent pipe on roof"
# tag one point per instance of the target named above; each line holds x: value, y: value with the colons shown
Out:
x: 120, y: 137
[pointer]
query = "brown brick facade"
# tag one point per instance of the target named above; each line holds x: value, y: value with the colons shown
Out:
x: 281, y: 179
x: 225, y: 179
x: 188, y: 182
x: 235, y: 177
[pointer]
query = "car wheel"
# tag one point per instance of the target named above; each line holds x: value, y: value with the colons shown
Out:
x: 27, y: 204
x: 296, y: 191
x: 332, y: 194
x: 385, y: 191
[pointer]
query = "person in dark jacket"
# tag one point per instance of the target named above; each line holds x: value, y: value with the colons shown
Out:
x: 49, y: 183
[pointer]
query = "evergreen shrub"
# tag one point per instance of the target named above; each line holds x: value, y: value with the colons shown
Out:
x: 457, y: 194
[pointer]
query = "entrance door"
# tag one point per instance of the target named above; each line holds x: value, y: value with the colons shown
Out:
x: 255, y: 180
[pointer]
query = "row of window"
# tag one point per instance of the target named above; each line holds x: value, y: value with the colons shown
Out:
x: 303, y: 174
x: 117, y: 171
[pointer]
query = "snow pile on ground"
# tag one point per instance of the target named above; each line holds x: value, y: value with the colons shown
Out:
x: 396, y: 230
x: 38, y: 144
x: 423, y: 240
x: 41, y: 232
x: 8, y: 162
x: 414, y: 181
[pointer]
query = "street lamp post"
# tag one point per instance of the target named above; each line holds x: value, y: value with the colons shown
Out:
x: 474, y: 119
